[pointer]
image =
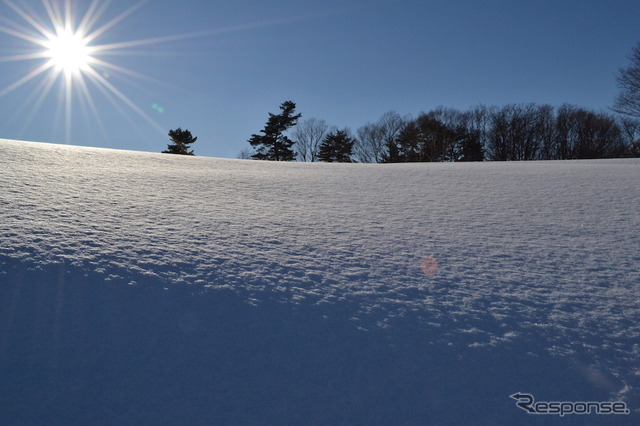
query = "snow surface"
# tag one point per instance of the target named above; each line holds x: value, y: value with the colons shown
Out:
x: 140, y: 288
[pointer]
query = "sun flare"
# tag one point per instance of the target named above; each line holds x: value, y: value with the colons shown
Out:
x: 69, y: 52
x: 69, y: 61
x: 63, y: 45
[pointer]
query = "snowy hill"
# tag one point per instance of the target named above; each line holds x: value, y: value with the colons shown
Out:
x: 140, y: 288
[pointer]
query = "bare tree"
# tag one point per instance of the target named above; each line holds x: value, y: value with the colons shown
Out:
x: 450, y: 117
x: 374, y: 138
x: 598, y: 136
x: 308, y: 135
x: 369, y: 146
x: 585, y: 134
x: 516, y: 132
x: 630, y: 128
x: 478, y: 120
x: 628, y: 100
x: 566, y: 132
x: 459, y: 140
x: 245, y: 154
x: 545, y: 131
x: 391, y: 124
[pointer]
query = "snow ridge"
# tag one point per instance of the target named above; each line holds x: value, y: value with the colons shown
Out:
x: 538, y: 264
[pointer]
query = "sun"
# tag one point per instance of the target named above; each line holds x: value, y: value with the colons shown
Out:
x: 63, y: 45
x: 71, y: 64
x: 69, y: 52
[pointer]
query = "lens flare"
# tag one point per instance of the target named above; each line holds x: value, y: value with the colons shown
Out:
x: 429, y: 266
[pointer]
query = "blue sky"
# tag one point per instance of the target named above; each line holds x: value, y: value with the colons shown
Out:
x: 232, y: 62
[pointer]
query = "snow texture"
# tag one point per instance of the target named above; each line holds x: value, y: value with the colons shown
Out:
x: 140, y: 288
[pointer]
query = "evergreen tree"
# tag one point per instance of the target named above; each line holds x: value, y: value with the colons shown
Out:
x: 469, y: 146
x: 405, y: 146
x: 273, y: 144
x: 181, y: 140
x: 336, y: 147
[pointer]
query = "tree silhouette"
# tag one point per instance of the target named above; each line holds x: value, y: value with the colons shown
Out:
x: 274, y: 145
x: 308, y: 136
x: 375, y: 139
x: 181, y: 140
x: 336, y: 147
x: 628, y: 100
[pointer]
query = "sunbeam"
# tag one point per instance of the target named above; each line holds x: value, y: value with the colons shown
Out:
x: 69, y: 45
x: 24, y: 79
x: 69, y: 58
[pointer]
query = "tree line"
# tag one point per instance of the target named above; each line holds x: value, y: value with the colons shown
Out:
x: 515, y: 132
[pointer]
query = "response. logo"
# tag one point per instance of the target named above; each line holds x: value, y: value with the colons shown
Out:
x: 527, y: 403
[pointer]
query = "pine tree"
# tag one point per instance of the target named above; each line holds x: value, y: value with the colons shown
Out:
x: 336, y: 147
x: 470, y: 148
x: 181, y: 140
x: 274, y: 145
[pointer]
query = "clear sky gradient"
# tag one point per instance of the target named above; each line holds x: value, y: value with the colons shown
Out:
x: 218, y: 67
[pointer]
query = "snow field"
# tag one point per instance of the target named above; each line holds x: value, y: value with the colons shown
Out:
x: 151, y: 288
